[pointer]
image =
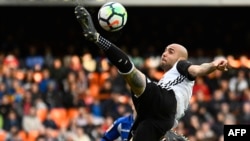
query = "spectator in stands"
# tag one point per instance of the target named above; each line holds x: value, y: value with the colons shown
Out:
x: 120, y: 127
x: 5, y: 106
x: 31, y: 122
x: 58, y: 72
x: 53, y: 97
x: 238, y: 83
x: 49, y: 122
x: 244, y: 115
x: 81, y: 135
x: 34, y: 60
x: 12, y: 120
x: 13, y: 135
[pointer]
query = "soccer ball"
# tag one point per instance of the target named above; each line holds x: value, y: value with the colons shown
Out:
x: 112, y: 16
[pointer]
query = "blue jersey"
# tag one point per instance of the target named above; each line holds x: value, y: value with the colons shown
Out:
x: 120, y: 128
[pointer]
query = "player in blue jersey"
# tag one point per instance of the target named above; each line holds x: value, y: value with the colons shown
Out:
x: 159, y: 105
x: 119, y: 129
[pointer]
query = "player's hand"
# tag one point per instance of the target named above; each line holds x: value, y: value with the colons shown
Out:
x: 221, y: 64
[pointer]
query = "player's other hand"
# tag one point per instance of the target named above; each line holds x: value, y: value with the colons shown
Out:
x: 85, y: 20
x: 221, y: 64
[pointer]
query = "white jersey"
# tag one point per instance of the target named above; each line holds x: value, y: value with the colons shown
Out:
x: 181, y: 86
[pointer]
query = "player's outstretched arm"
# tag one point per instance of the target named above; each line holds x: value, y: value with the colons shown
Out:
x: 135, y: 78
x: 206, y: 68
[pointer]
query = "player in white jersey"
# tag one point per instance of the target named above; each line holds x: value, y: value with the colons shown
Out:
x: 158, y: 104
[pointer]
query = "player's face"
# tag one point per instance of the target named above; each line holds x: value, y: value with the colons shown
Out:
x: 169, y: 57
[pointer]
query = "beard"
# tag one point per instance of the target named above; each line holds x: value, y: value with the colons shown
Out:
x: 164, y: 66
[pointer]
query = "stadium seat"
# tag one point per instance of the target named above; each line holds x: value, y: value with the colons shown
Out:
x: 32, y: 135
x: 3, y: 135
x: 103, y: 77
x: 42, y: 114
x: 72, y: 113
x: 94, y: 78
x: 59, y: 116
x: 22, y: 134
x: 94, y: 90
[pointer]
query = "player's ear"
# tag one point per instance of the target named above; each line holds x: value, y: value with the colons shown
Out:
x: 181, y: 58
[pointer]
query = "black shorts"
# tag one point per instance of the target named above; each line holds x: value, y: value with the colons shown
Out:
x: 156, y: 109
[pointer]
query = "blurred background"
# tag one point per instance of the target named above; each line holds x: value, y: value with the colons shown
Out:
x: 54, y: 85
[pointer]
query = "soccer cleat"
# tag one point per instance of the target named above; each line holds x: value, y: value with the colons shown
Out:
x: 85, y: 20
x: 173, y: 136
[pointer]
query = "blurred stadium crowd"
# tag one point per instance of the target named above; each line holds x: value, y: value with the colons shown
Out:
x: 60, y: 94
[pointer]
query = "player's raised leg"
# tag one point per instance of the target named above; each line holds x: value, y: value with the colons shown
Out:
x: 117, y: 57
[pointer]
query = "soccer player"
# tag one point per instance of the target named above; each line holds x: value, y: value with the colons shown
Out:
x: 159, y: 105
x: 120, y: 127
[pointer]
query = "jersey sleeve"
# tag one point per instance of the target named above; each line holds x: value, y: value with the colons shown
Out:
x: 112, y: 133
x: 182, y: 67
